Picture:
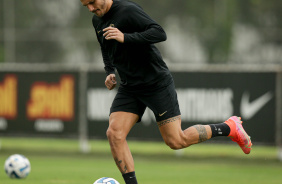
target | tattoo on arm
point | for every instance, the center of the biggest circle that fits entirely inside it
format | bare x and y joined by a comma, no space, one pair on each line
119,162
164,122
203,135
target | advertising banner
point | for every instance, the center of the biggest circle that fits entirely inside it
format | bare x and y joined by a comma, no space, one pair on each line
34,103
204,98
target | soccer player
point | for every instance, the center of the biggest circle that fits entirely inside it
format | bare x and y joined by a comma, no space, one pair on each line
127,36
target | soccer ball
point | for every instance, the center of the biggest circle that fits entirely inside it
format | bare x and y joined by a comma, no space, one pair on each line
17,166
106,180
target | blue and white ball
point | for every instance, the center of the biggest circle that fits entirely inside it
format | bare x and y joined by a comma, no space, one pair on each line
106,180
17,166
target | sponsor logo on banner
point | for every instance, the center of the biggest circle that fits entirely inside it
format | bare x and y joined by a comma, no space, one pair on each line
249,109
99,103
8,97
43,125
196,105
3,124
200,105
52,100
205,105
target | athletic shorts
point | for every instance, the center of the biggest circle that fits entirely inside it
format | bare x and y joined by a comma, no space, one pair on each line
162,101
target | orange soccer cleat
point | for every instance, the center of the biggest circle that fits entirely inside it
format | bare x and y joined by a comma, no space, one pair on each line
238,134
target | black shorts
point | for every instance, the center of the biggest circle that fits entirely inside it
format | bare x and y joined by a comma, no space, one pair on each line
162,101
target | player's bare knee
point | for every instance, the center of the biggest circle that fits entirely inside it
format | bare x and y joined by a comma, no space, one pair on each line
175,144
115,136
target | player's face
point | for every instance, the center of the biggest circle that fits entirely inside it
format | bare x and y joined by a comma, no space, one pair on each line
98,7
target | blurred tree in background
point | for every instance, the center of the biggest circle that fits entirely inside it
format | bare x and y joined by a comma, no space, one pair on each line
199,31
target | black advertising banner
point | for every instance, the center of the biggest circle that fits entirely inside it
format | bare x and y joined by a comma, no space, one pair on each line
204,98
38,103
214,97
99,100
46,103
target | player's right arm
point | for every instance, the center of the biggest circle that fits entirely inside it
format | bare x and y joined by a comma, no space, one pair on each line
110,81
109,67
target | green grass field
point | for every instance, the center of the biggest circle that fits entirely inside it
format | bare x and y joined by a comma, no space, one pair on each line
58,161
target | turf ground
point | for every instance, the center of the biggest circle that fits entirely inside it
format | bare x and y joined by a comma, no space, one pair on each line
58,161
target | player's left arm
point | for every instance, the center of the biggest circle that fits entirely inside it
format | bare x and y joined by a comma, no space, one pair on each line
146,30
112,33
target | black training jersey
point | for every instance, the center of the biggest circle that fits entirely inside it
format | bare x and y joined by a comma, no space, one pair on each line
137,60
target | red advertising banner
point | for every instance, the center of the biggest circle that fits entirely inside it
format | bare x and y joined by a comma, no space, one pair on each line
38,103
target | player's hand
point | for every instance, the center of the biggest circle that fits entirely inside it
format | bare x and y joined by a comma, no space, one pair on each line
111,81
112,33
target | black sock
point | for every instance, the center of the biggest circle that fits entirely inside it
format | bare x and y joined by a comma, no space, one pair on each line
221,129
130,178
